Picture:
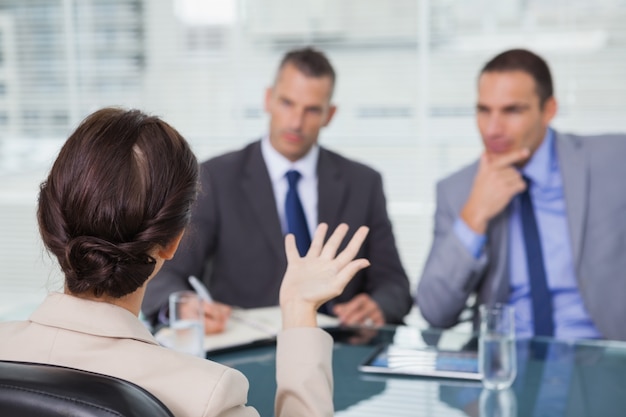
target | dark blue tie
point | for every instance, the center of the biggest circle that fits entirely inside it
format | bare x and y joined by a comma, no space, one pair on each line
296,220
542,299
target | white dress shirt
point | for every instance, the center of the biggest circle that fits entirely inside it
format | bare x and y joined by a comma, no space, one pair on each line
277,166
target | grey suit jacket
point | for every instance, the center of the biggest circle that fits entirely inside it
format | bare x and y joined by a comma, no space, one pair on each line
593,172
235,240
107,339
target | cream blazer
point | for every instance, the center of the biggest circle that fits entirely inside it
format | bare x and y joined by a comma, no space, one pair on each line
104,338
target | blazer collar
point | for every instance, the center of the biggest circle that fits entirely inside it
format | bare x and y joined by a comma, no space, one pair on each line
277,165
103,319
257,187
332,188
574,166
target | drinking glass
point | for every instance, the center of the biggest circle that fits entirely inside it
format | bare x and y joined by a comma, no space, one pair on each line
187,322
500,403
497,360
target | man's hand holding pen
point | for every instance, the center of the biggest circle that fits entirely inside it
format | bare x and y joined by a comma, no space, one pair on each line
216,314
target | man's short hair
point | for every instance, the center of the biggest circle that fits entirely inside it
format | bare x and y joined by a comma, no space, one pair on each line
310,62
528,62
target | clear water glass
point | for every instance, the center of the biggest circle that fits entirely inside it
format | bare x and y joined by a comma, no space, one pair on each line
497,361
498,403
187,323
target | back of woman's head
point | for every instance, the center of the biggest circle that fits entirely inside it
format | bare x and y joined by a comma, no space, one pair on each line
121,187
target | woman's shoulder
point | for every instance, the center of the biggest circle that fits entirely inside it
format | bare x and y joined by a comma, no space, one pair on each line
189,384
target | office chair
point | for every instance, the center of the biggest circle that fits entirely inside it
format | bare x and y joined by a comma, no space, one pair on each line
40,390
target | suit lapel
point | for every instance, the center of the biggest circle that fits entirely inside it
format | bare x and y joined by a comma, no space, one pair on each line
331,189
574,172
257,187
496,285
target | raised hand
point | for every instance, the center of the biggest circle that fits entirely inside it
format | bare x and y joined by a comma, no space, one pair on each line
319,276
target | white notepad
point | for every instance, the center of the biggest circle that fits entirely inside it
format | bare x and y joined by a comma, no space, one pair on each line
247,326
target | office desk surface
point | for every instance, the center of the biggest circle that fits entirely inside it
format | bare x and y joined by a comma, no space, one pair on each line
555,378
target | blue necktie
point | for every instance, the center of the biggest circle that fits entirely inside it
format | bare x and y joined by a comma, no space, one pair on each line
296,220
543,320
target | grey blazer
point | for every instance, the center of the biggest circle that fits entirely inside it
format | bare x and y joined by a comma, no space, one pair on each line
594,172
235,240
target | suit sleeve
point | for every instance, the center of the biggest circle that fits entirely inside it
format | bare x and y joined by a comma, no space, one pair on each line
196,248
386,280
451,273
304,373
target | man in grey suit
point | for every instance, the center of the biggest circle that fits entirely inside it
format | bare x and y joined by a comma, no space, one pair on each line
578,201
235,240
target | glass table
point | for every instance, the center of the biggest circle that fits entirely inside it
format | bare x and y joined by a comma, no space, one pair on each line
555,378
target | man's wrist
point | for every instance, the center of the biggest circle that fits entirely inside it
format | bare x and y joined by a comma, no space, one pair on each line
474,219
472,241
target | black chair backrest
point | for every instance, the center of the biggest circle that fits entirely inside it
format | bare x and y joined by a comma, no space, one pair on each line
32,389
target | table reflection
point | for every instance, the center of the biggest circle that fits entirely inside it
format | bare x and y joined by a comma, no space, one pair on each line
555,378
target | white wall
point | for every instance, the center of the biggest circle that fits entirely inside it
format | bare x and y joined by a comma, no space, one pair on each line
406,76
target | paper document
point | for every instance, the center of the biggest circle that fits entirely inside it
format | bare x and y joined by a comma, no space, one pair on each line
250,325
247,326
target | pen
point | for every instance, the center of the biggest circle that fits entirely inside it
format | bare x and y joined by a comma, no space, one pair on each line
200,289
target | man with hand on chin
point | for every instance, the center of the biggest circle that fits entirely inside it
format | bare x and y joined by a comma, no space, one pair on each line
537,222
285,182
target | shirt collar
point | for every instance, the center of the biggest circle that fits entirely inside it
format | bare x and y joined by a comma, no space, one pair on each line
543,162
91,317
278,165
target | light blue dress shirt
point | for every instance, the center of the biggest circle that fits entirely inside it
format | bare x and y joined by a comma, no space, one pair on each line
571,319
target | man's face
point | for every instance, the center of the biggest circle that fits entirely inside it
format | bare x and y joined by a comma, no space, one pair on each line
299,106
509,114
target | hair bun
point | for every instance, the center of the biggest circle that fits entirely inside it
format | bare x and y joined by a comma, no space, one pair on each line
99,266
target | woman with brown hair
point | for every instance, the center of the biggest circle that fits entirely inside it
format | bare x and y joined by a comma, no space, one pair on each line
112,210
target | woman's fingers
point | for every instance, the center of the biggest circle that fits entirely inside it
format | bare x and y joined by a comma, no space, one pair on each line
329,249
318,240
311,280
291,250
347,272
353,246
332,244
